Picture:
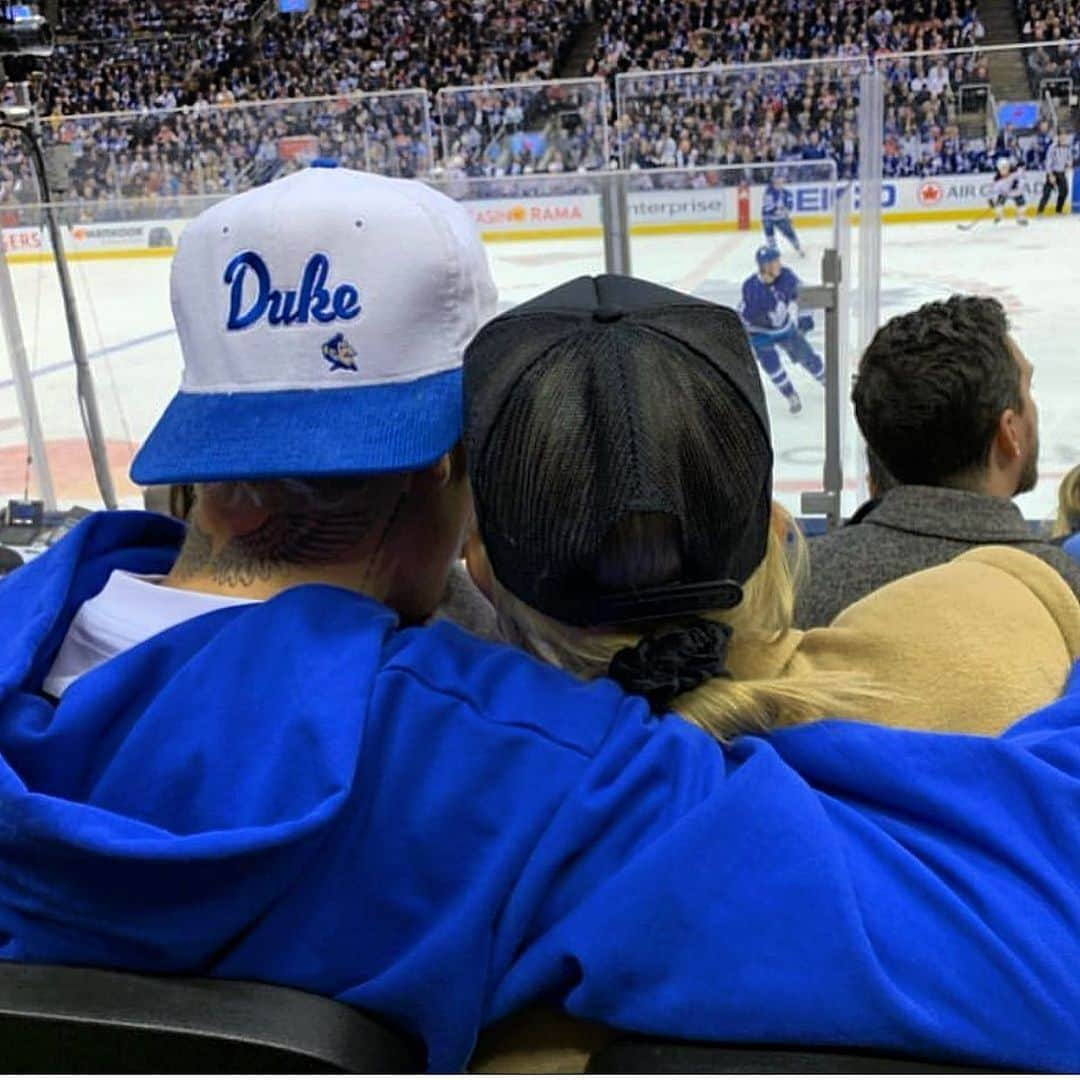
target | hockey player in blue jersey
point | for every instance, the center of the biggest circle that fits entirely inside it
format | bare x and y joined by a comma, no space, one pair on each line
777,202
770,310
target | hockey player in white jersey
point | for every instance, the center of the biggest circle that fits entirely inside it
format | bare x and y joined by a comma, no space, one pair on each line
1008,185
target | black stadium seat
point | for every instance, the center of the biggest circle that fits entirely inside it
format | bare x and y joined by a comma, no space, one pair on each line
80,1020
635,1055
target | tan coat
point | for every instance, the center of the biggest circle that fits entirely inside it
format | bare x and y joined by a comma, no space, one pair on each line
970,646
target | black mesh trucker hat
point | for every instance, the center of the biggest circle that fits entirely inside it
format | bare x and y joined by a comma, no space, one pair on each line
572,423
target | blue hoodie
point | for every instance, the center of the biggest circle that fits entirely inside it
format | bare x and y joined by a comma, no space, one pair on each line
441,830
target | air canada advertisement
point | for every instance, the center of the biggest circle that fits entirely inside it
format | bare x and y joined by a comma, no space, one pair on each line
966,191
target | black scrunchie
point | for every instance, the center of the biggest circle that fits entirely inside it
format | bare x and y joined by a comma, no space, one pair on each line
660,668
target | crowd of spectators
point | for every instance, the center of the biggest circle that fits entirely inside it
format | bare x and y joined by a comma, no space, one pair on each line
699,33
119,57
183,67
175,56
369,46
111,19
1052,66
522,130
804,113
209,151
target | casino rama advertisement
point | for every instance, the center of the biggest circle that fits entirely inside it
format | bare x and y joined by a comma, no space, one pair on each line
660,211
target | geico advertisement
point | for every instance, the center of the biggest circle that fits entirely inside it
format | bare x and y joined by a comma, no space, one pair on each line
710,204
822,198
910,193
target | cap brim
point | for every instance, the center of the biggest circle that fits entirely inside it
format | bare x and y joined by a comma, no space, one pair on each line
394,427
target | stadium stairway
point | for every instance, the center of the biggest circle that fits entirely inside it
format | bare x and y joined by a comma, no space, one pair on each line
260,19
572,66
1008,76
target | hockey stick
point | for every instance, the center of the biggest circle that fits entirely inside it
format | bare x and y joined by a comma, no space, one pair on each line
967,226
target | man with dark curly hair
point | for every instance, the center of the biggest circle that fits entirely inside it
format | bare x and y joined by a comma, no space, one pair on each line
943,399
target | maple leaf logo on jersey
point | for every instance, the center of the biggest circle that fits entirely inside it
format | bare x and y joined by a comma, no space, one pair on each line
930,194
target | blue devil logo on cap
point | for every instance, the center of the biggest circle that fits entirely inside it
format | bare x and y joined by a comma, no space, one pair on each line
311,300
339,354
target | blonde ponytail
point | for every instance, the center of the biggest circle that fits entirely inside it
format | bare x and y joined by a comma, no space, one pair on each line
1068,516
724,706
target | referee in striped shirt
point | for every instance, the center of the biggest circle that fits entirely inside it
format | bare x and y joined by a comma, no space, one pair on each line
1058,162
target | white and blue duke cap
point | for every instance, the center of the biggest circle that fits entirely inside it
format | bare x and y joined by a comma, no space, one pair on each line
322,320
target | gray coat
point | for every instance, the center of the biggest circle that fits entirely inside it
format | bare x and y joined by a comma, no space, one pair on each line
911,529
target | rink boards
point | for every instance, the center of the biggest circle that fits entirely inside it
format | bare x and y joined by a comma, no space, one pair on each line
673,210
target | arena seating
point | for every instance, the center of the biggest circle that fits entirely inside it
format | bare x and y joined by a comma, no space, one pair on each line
102,19
54,1017
407,45
517,131
206,151
686,34
176,53
1052,68
806,113
184,65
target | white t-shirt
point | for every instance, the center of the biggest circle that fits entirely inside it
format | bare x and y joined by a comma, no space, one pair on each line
131,609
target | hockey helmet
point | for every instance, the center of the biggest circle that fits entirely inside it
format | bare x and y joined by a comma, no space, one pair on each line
767,253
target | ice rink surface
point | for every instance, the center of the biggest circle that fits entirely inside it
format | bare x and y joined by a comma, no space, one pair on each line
124,305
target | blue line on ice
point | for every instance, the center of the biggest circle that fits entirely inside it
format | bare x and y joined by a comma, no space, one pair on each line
97,354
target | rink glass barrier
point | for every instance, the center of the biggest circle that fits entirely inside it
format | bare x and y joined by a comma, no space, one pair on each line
530,158
940,115
928,234
698,230
688,229
939,235
523,128
120,257
214,150
741,113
